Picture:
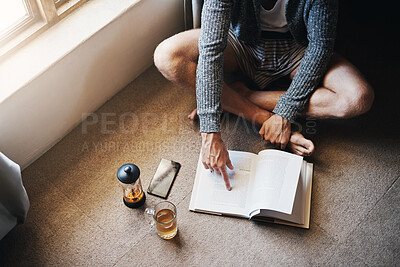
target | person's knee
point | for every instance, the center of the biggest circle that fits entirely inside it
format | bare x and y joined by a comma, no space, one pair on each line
367,98
173,56
358,100
166,59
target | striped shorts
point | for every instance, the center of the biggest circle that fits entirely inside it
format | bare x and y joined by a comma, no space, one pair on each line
275,55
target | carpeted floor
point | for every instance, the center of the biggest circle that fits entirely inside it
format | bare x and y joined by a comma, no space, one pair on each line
77,216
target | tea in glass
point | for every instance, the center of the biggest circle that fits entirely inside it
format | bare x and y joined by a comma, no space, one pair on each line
166,223
164,217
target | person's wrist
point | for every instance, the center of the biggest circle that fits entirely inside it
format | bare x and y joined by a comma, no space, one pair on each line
283,119
210,136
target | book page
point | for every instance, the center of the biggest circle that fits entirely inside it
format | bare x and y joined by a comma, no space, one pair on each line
276,178
307,188
298,212
210,194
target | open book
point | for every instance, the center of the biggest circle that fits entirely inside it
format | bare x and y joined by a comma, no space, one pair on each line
272,186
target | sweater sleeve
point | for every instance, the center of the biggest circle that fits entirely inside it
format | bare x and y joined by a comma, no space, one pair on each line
321,32
209,76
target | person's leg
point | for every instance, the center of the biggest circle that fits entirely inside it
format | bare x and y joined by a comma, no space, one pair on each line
176,58
264,99
298,144
344,93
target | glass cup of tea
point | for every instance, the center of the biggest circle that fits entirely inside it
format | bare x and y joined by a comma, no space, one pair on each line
163,216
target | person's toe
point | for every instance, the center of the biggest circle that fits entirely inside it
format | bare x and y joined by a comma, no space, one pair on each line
301,151
310,148
300,145
193,114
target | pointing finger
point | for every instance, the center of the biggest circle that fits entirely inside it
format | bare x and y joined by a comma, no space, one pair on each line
226,178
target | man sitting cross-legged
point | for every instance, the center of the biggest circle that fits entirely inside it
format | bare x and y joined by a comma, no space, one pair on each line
265,40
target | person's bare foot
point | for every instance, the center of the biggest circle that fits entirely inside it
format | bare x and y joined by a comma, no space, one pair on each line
193,115
299,145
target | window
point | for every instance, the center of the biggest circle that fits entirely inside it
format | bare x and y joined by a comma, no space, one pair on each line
18,12
14,15
21,20
59,3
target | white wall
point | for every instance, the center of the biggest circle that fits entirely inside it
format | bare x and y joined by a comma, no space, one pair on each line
38,115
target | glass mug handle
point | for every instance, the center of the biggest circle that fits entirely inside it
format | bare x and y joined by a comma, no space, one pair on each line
149,214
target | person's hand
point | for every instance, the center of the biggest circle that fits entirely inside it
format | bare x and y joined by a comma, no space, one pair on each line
215,156
276,130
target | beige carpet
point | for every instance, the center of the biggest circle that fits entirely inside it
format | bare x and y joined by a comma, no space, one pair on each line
77,216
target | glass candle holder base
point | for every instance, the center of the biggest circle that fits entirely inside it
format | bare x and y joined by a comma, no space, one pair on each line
134,205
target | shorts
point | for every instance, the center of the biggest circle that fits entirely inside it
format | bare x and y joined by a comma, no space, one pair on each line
274,56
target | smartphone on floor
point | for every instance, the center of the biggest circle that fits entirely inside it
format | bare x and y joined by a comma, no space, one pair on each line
162,181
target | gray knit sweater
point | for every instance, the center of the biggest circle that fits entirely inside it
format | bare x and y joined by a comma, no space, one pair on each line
311,22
